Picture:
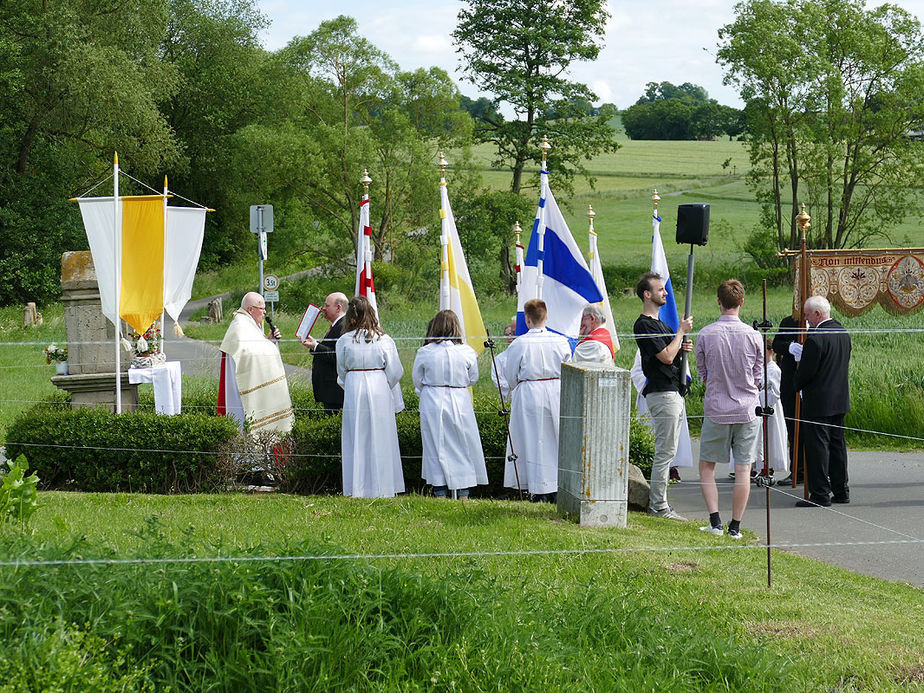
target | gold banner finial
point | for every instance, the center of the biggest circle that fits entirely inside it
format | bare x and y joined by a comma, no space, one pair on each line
442,164
803,220
365,180
655,198
591,213
115,159
517,230
545,147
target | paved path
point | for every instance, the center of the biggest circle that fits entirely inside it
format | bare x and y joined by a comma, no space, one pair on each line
200,358
886,505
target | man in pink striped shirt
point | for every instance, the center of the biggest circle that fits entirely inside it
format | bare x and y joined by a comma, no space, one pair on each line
729,357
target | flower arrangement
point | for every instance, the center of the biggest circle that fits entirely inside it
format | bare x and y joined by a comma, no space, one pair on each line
54,353
146,344
146,347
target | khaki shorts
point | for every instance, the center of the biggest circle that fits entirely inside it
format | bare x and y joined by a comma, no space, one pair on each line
718,440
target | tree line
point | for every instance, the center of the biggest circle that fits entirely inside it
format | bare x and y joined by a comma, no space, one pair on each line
832,90
184,87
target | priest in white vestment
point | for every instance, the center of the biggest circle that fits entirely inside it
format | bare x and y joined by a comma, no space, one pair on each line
596,344
533,370
444,369
368,368
252,386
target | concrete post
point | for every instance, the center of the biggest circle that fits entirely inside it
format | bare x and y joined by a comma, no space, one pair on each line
593,449
91,364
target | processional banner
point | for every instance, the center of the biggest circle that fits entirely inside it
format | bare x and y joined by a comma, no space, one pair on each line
855,281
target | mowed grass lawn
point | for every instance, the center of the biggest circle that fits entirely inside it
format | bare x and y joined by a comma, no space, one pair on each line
657,606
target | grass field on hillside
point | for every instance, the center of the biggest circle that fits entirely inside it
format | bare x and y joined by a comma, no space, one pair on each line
657,606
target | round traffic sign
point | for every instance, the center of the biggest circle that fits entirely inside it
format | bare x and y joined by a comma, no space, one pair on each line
270,282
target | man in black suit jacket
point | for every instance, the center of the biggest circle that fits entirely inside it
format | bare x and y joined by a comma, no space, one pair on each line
822,377
324,371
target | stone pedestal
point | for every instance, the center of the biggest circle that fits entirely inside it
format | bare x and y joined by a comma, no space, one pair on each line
90,340
593,449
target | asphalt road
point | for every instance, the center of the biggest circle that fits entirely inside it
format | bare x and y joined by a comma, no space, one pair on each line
880,533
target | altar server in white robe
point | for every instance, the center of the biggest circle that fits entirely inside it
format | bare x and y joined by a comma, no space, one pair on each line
367,368
534,372
444,369
252,385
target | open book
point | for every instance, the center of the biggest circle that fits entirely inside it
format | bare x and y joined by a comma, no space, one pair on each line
308,320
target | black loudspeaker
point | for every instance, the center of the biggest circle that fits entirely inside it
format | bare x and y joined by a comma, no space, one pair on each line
693,223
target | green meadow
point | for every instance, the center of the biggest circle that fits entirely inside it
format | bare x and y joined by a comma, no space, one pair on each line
294,593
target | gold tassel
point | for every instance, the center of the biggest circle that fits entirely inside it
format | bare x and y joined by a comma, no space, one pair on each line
126,345
177,330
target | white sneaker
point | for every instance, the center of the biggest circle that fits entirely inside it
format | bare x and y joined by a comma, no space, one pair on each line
718,531
733,534
668,514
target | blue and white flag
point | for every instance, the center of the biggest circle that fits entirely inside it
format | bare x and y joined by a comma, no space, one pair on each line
555,271
668,315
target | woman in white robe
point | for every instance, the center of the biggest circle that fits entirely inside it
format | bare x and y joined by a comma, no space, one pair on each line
368,368
533,370
444,369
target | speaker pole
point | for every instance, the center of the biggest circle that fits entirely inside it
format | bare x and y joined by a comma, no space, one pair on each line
687,310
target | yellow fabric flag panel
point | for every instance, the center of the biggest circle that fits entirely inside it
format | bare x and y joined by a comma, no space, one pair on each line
142,288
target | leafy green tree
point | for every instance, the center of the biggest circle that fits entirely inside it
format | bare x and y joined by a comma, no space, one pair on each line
663,119
223,76
832,91
80,80
349,109
690,94
519,51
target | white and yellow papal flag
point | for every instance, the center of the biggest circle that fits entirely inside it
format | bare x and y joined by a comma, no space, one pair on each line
596,270
456,290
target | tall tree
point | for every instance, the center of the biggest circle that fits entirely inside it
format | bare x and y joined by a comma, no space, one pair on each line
81,78
520,51
832,91
223,78
351,108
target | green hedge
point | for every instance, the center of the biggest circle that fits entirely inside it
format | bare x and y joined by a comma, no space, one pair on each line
94,450
315,466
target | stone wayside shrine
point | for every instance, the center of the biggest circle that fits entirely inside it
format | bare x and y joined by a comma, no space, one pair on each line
90,340
593,449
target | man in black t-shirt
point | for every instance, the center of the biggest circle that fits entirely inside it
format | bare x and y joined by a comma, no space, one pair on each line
660,351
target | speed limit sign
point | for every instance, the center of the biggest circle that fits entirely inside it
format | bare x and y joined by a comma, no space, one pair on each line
270,282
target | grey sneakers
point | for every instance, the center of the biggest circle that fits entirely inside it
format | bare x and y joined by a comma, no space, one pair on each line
709,529
668,514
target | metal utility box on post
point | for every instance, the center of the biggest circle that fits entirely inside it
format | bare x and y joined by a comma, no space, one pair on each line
593,446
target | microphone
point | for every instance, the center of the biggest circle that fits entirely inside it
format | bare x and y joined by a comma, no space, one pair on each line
269,321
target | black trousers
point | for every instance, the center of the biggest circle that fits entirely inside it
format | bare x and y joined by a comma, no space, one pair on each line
826,457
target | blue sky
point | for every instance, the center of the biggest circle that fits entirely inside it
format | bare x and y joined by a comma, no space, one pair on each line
667,40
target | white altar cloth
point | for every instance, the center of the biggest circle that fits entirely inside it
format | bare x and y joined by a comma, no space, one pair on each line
168,385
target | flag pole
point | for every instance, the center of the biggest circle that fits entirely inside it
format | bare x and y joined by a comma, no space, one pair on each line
164,310
804,222
444,242
544,175
117,261
518,253
591,236
367,245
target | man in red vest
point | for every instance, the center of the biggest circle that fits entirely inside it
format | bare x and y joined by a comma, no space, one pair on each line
596,344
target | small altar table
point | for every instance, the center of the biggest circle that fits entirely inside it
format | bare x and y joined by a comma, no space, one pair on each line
168,385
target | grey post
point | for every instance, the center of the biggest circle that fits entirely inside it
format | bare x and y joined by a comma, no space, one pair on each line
593,447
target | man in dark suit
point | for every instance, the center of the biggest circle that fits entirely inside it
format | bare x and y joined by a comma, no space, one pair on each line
324,371
822,377
787,334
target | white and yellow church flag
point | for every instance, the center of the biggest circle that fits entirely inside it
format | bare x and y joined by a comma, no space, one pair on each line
596,270
183,244
141,299
456,290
